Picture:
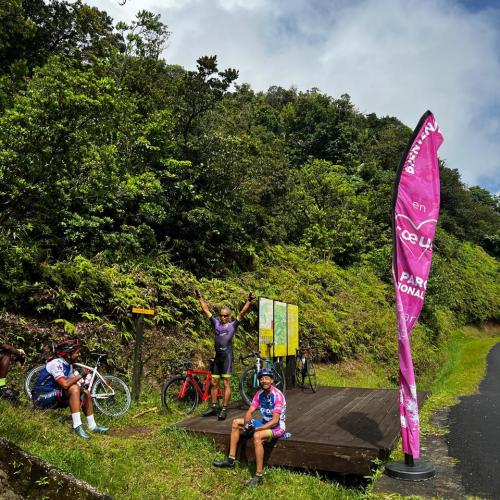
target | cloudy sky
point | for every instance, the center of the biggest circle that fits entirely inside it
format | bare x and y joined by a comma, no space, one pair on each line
393,57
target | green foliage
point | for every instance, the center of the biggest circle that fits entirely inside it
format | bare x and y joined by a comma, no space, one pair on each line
127,181
464,280
472,214
334,217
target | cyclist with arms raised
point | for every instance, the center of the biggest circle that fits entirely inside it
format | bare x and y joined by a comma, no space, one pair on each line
272,405
59,386
224,328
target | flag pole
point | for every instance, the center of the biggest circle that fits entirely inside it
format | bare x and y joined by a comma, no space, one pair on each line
415,207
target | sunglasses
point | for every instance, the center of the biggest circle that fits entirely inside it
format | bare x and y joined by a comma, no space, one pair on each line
225,315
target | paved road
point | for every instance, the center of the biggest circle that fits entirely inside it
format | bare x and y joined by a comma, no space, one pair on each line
474,437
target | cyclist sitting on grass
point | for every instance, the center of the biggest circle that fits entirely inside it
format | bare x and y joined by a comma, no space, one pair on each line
223,364
59,386
7,354
272,405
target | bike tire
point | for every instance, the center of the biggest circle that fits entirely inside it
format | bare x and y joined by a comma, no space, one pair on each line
115,405
171,400
279,377
30,380
299,372
311,375
248,385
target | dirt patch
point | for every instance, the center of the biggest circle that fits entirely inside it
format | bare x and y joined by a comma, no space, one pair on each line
132,431
490,327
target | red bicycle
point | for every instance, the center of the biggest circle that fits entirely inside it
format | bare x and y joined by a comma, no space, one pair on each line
183,392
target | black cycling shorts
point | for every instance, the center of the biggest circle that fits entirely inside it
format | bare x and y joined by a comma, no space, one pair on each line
223,364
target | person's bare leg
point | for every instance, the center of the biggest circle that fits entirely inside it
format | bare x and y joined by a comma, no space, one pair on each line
214,390
4,365
75,405
259,438
227,391
88,405
229,462
236,427
73,394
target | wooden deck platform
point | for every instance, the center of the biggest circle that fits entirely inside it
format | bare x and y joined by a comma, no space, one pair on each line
339,429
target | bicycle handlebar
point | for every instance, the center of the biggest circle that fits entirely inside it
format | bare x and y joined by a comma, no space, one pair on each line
254,354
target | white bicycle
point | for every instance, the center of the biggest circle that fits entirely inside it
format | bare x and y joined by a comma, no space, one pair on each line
110,394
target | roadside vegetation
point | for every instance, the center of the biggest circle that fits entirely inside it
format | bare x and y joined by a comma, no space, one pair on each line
462,371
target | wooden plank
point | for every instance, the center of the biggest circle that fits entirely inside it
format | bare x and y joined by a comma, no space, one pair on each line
328,420
360,427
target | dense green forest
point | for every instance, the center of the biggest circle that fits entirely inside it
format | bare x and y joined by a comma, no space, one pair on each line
125,180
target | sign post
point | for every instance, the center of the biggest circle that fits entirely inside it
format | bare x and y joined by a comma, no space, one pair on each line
292,344
139,334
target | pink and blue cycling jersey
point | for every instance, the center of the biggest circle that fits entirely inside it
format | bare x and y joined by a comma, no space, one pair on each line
272,402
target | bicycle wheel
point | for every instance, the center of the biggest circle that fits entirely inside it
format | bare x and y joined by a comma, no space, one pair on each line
111,397
279,377
30,380
311,375
299,372
179,405
248,385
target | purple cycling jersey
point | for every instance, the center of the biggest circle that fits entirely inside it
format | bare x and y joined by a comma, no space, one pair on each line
224,333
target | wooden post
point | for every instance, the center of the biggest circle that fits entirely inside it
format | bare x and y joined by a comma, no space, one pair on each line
290,372
139,334
136,378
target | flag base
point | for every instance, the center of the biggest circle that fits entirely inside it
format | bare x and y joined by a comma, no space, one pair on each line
410,470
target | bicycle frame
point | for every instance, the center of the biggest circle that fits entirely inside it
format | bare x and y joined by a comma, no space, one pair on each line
190,376
259,364
95,374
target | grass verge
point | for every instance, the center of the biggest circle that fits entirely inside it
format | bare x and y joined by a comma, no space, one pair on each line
353,373
148,458
462,371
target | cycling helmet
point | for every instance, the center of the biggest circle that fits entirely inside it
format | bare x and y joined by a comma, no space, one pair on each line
67,347
265,372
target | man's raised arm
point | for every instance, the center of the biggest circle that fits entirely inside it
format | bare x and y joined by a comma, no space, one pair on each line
246,306
203,304
18,353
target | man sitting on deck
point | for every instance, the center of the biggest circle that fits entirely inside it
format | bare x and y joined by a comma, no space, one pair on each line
272,405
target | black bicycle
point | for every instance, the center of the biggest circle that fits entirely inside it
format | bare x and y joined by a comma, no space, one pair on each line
305,372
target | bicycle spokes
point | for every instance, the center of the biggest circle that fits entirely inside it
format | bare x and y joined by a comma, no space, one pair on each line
179,396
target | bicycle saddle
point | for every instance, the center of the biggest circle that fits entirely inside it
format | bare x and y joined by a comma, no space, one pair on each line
98,355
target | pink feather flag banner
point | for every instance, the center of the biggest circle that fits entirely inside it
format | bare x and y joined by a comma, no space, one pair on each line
415,215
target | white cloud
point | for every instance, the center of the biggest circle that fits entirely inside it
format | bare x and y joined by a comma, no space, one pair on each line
394,57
